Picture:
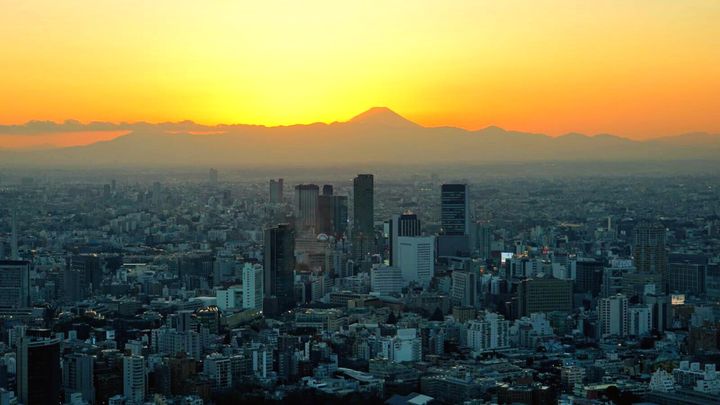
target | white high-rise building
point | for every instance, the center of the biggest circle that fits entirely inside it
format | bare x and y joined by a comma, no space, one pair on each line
229,299
134,379
386,280
613,316
406,345
252,286
416,258
488,333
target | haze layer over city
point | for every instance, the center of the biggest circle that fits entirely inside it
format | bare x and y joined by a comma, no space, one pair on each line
379,202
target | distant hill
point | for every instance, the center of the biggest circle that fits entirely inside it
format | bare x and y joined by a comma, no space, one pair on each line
378,135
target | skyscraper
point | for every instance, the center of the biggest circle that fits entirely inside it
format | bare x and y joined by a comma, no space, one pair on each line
455,212
649,252
78,374
38,370
306,205
406,224
252,286
464,288
82,276
279,269
276,191
613,316
416,258
134,379
363,216
340,215
213,176
483,239
14,284
325,214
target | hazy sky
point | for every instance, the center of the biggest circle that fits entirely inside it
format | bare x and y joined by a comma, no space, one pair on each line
633,68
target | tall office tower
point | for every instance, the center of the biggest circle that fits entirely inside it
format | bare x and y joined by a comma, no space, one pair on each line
483,239
545,294
660,310
327,189
589,276
306,205
213,176
363,217
406,224
613,316
82,276
340,215
454,210
325,214
416,258
464,288
14,239
14,284
39,376
134,380
252,286
649,252
279,269
78,375
276,191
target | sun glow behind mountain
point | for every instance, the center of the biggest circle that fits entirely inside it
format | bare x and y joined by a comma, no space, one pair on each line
642,69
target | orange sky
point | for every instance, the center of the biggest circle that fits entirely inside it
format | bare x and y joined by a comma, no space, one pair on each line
638,69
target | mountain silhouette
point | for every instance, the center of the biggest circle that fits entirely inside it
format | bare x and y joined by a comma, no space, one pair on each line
378,135
382,116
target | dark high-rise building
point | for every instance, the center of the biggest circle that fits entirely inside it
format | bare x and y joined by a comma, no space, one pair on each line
306,205
325,214
483,239
406,224
546,294
363,216
589,276
38,371
213,176
14,284
279,269
454,210
687,274
276,191
340,215
82,276
649,252
331,213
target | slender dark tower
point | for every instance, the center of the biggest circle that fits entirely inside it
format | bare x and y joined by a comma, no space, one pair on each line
276,191
649,252
306,205
279,269
454,215
363,216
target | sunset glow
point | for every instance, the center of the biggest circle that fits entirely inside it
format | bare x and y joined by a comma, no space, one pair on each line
638,69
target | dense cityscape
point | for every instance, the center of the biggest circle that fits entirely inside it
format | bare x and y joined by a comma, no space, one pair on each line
404,289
